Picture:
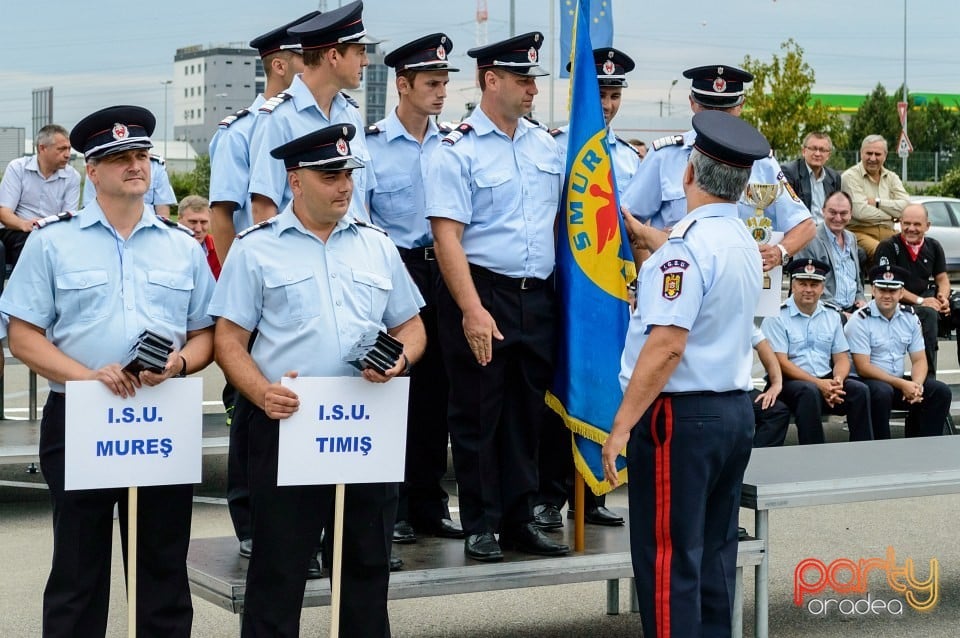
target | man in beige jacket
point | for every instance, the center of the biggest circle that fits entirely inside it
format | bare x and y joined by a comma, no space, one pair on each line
878,195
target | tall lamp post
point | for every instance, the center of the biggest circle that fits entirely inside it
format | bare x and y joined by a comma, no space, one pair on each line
669,103
166,84
904,158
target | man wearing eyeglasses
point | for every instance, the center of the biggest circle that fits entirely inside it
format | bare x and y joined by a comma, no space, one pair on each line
810,177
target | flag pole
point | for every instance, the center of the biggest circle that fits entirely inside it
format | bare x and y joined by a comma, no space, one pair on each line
337,560
132,562
579,540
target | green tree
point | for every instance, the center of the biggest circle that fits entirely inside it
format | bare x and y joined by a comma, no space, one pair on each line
196,182
876,116
933,127
778,101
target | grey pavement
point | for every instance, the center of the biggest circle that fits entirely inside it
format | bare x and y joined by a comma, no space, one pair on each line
920,529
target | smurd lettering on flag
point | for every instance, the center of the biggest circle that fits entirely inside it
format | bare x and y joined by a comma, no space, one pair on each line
594,266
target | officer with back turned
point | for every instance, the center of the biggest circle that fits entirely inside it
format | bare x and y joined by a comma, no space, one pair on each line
686,419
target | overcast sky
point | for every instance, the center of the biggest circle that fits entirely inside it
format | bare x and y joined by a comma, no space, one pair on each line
104,52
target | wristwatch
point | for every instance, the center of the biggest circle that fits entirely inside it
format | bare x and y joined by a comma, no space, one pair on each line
785,257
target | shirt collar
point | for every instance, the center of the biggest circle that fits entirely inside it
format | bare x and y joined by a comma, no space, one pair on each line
303,98
484,125
394,128
92,214
875,312
287,220
794,310
722,209
823,173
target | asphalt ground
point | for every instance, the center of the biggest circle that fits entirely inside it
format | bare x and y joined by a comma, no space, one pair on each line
919,529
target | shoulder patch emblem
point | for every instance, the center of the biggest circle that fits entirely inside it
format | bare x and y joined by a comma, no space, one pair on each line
672,285
554,132
457,134
246,231
274,102
669,140
53,219
373,129
363,224
352,102
682,227
233,117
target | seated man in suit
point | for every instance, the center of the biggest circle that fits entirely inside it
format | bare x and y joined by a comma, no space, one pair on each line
813,354
835,245
880,334
810,176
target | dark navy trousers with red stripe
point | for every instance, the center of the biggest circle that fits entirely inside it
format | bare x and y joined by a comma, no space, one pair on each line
686,459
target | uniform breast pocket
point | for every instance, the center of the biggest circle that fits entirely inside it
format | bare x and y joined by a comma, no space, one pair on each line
84,294
394,196
548,182
168,295
497,191
294,293
370,294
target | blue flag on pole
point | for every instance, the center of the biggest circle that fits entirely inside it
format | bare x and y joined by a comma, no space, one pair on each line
601,27
594,266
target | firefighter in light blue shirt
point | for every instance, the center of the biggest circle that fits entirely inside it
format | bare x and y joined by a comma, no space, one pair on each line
881,334
686,418
311,281
612,68
85,288
807,337
404,143
493,190
314,100
655,194
230,147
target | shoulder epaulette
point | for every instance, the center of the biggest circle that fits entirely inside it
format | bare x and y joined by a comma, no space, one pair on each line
535,122
444,128
363,224
53,219
680,228
831,306
628,145
783,305
373,129
457,134
352,102
864,311
158,159
233,117
274,102
172,224
246,231
669,140
555,132
908,308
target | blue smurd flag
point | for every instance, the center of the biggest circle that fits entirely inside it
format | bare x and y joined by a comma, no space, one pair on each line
594,266
600,21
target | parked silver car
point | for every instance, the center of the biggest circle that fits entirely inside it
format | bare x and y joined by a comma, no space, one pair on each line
944,213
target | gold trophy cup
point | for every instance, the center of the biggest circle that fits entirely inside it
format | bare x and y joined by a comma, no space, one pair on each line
760,196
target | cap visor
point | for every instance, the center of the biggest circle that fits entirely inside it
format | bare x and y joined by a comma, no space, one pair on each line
119,147
530,71
347,164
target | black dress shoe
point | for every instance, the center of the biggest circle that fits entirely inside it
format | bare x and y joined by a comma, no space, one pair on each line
403,533
531,540
314,570
483,547
547,516
599,516
443,528
246,547
395,564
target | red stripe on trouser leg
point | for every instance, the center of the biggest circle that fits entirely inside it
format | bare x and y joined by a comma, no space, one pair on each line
662,517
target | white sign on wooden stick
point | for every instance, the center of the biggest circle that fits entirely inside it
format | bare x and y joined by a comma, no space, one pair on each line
347,430
152,438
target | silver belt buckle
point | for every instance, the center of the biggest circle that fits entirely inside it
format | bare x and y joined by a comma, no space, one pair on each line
525,283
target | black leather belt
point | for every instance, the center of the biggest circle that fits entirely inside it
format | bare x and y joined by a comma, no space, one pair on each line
423,253
515,283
